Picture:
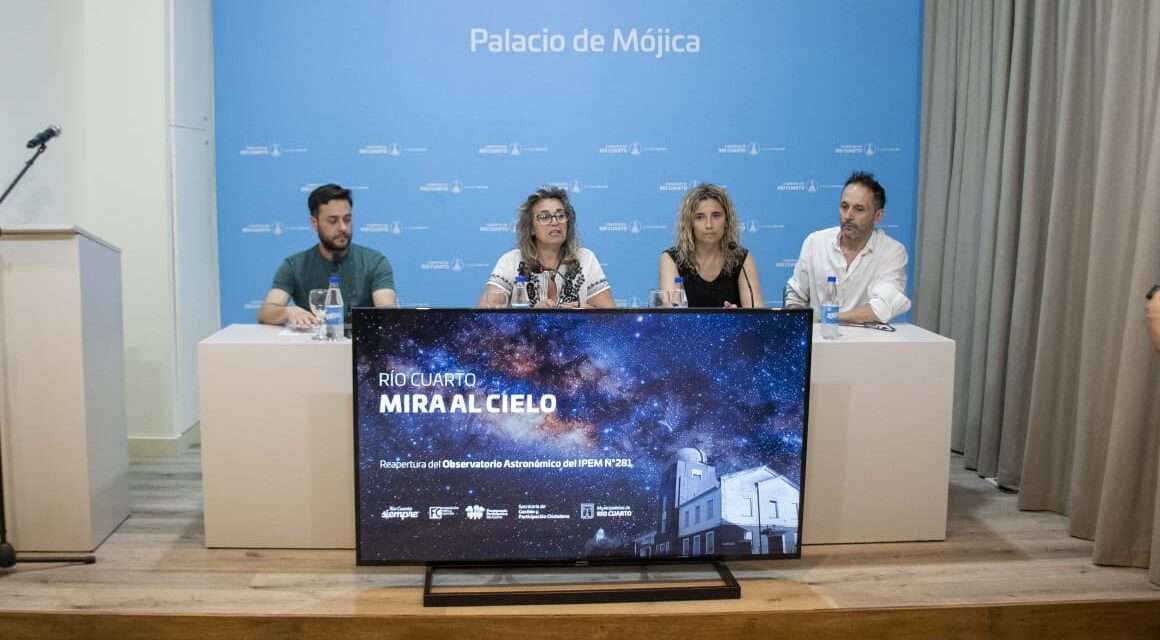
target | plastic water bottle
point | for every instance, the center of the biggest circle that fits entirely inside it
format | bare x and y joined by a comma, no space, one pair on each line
830,305
334,310
520,294
678,297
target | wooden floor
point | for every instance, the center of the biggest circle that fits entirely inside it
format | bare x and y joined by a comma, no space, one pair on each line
1001,573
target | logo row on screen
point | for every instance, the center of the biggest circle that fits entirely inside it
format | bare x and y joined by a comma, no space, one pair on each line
586,511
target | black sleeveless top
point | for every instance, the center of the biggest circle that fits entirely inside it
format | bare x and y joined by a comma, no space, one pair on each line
710,294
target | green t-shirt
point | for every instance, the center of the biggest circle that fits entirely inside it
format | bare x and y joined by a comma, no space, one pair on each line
362,272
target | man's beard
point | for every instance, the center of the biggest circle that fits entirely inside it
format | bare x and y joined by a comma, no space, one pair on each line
331,247
852,231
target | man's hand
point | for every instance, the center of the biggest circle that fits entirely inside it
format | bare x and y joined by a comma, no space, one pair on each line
299,318
1152,311
858,315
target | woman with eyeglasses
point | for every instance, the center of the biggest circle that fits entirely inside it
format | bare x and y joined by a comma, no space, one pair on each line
715,269
547,244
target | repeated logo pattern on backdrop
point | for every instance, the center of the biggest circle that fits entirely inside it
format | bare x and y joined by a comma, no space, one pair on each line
442,116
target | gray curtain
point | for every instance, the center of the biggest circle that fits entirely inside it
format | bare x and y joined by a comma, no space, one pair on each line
1038,234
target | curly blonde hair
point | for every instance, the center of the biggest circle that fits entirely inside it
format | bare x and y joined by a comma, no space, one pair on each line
686,246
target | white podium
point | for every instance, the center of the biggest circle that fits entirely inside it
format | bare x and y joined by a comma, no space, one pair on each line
278,441
62,388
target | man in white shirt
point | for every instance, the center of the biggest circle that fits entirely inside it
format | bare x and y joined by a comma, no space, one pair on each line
870,266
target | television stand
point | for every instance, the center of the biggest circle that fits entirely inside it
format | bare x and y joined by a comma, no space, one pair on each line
461,585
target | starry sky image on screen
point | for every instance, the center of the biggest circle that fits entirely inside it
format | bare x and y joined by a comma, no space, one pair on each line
642,387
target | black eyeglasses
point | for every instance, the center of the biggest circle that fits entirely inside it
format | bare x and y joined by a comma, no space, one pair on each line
544,217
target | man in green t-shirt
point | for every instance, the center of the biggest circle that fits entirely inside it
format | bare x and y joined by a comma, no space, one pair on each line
365,275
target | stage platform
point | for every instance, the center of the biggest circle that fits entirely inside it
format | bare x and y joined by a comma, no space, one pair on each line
1001,573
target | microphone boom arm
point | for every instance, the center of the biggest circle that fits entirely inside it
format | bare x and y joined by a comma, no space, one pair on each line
27,166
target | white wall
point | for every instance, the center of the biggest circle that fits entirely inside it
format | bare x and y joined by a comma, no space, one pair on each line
41,85
130,82
194,193
127,190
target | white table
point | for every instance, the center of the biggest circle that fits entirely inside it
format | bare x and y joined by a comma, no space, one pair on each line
278,459
879,436
277,440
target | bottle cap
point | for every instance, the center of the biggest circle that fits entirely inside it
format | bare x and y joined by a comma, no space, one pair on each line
333,279
831,278
679,280
521,279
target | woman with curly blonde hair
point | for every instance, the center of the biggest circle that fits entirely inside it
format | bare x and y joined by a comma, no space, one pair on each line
716,270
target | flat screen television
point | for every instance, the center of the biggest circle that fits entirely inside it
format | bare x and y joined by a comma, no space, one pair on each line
516,436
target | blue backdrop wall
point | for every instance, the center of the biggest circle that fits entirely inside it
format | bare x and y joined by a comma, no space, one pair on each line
442,116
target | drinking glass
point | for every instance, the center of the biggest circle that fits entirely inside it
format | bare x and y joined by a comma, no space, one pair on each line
658,298
541,280
496,298
318,308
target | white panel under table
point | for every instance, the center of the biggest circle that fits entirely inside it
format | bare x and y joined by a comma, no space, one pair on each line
878,439
277,439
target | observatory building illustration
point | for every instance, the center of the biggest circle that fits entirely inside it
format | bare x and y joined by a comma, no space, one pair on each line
754,511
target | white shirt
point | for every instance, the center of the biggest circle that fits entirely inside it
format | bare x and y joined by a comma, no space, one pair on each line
572,287
876,276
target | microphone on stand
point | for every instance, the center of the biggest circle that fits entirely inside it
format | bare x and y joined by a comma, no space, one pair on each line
752,303
40,139
8,557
